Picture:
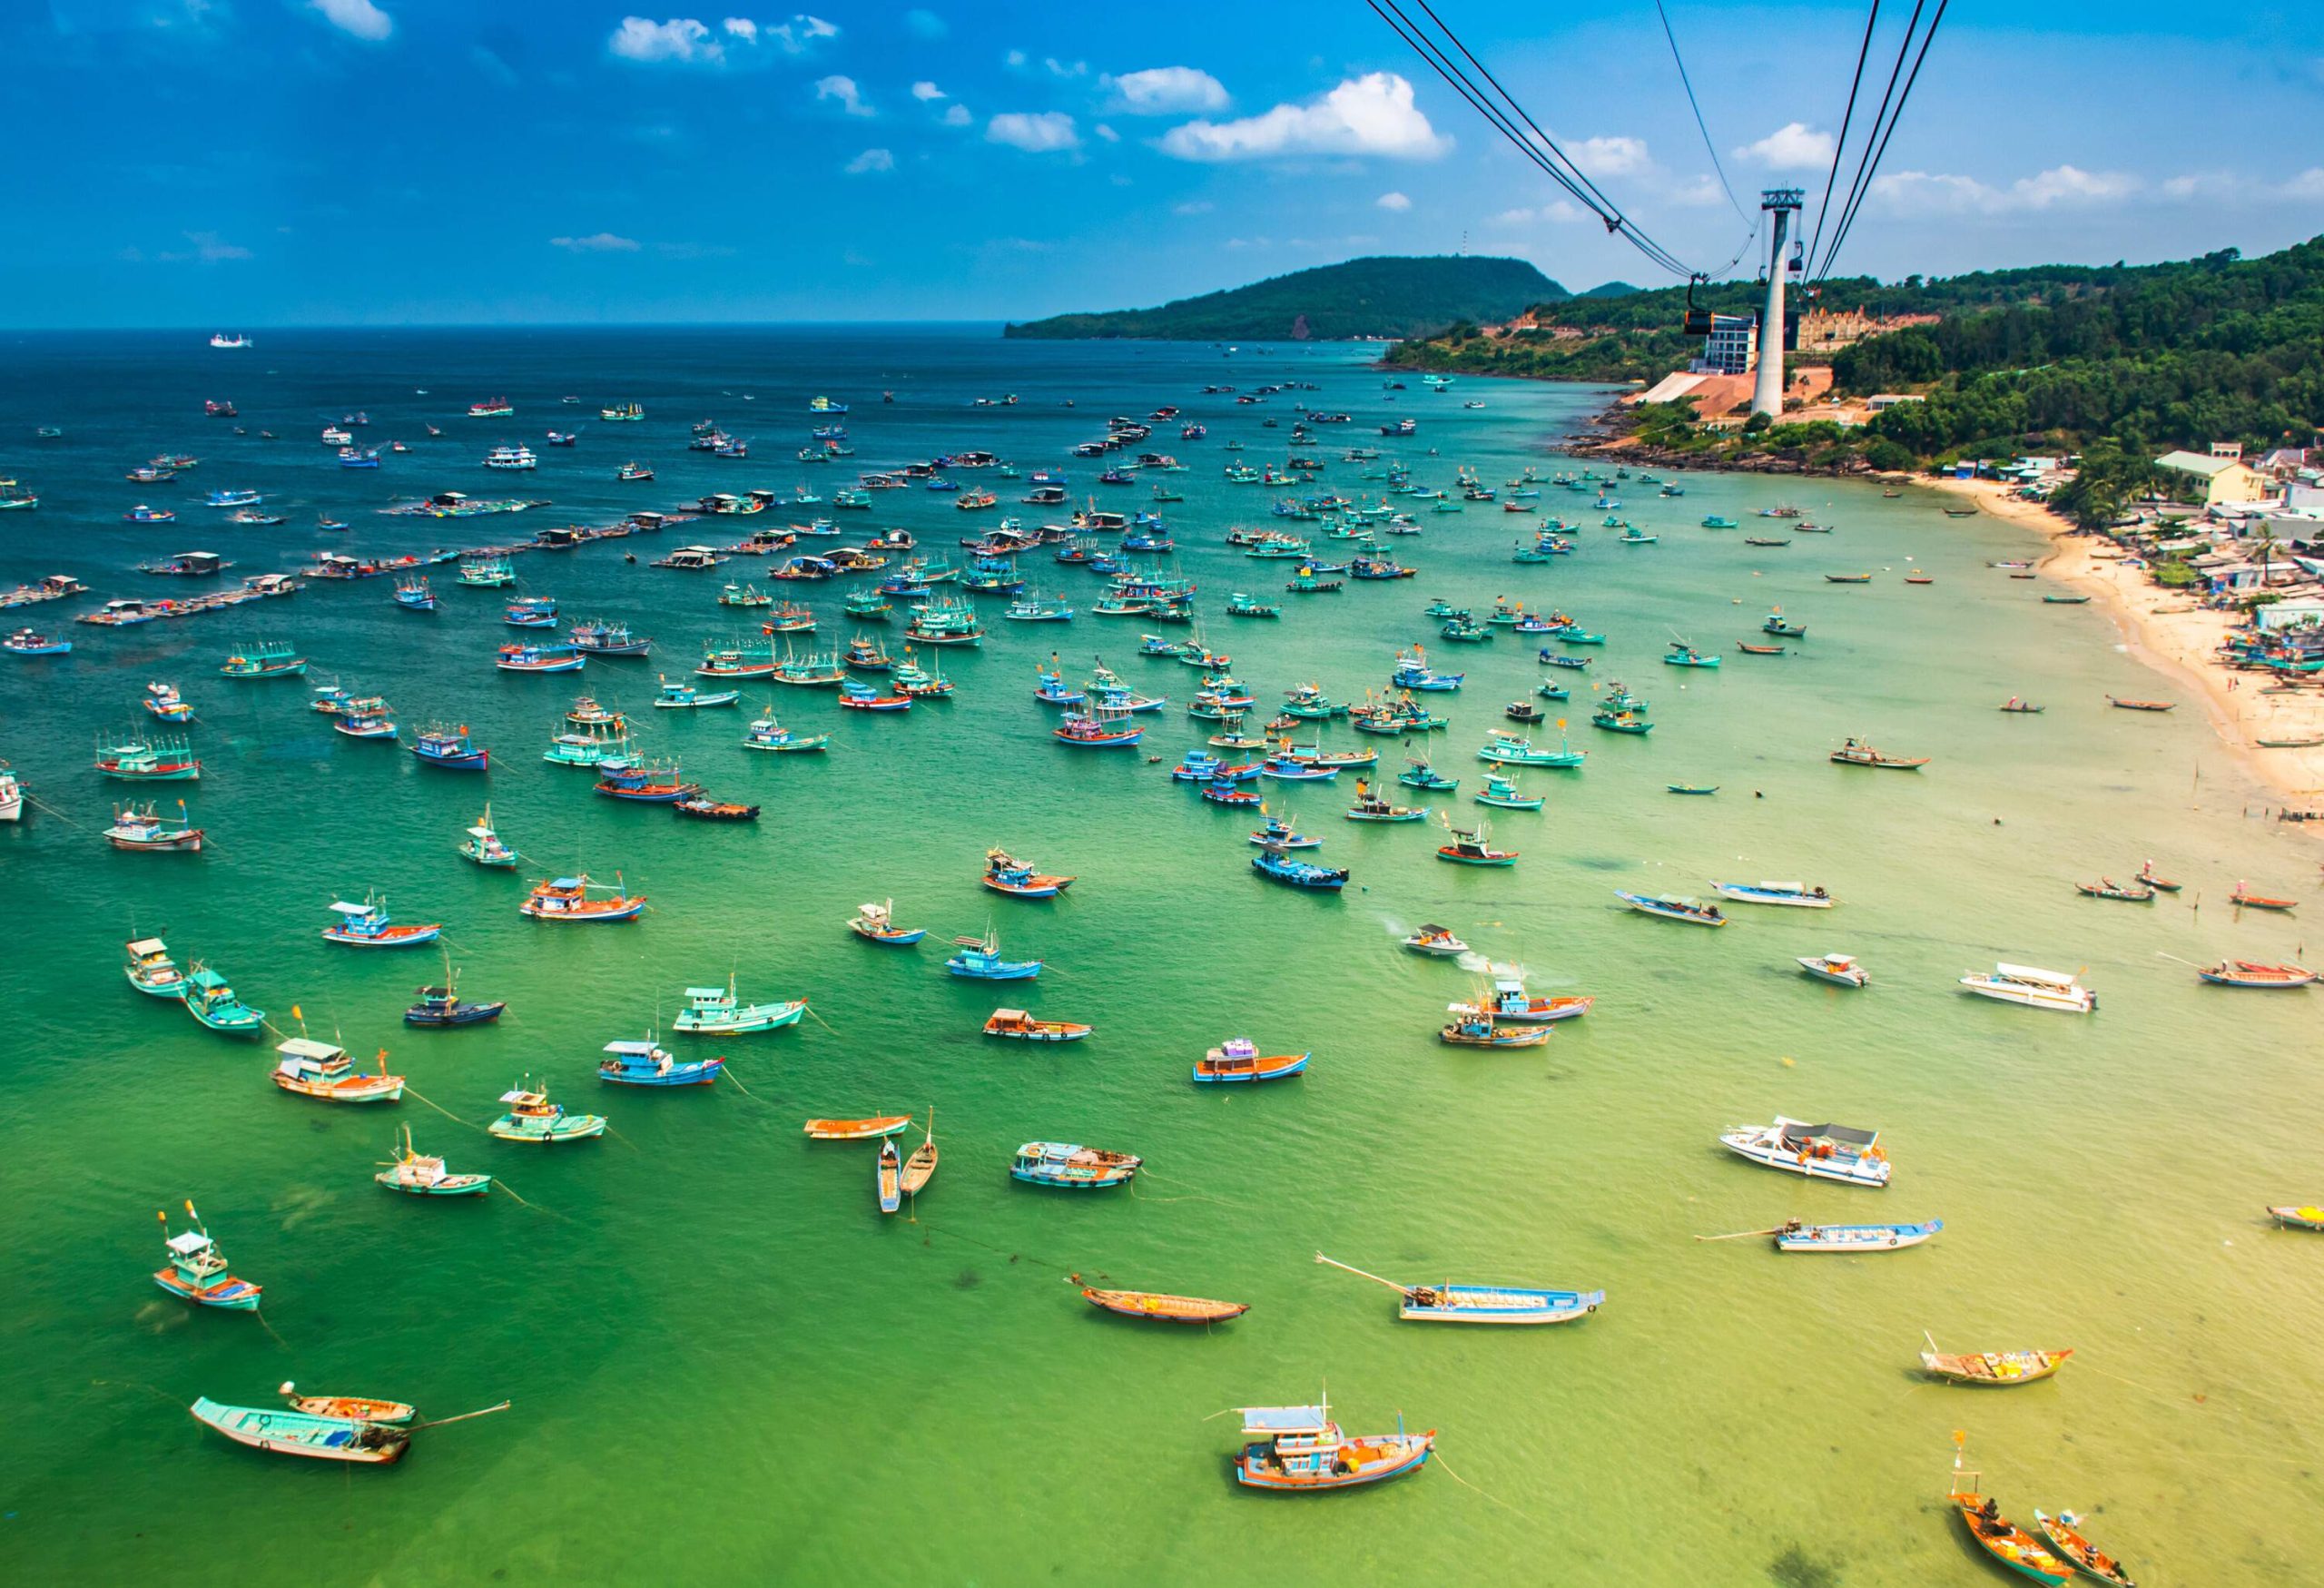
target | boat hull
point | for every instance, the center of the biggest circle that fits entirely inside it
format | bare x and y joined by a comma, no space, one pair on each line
1254,1471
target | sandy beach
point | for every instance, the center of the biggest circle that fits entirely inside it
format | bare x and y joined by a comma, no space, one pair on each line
2165,629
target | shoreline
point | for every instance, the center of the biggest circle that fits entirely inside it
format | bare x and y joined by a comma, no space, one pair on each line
2160,629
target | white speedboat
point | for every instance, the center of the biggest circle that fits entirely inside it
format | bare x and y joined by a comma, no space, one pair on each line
1796,894
1839,969
1820,1152
2036,989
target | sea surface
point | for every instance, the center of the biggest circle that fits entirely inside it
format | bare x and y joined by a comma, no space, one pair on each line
727,1366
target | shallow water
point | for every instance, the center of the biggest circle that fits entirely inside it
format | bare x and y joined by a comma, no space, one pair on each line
726,1365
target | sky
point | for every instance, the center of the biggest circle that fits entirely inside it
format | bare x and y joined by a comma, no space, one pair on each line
246,163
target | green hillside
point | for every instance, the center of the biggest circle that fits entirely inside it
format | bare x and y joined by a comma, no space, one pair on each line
1381,297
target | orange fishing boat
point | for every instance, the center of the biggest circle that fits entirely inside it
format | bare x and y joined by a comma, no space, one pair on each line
1016,1022
1992,1367
2122,705
567,899
2064,1533
1160,1309
1997,1535
857,1129
354,1408
2250,901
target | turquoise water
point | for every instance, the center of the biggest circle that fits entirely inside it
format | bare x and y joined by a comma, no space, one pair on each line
726,1365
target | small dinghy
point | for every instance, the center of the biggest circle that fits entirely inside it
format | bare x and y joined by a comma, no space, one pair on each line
2064,1533
1156,1306
1992,1368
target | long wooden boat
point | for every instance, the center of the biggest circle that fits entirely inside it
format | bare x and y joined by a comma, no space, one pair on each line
350,1409
857,1129
1796,1236
2247,900
2108,888
2122,705
1999,1537
2251,974
1159,1308
1999,1369
888,1176
1238,1059
1694,912
1857,754
289,1433
1018,1023
921,1166
2289,1218
1480,1303
2064,1533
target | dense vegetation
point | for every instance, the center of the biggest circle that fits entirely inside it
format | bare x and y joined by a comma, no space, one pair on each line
1380,297
2120,361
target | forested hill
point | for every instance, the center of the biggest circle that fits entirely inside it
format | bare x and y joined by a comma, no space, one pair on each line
1379,297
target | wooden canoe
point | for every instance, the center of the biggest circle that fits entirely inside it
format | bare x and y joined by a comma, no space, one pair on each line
353,1408
2010,1545
2251,974
920,1168
2297,1217
1158,1307
2122,705
857,1129
2064,1534
2260,901
890,1177
1996,1368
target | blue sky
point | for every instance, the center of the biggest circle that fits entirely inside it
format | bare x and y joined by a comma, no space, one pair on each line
254,163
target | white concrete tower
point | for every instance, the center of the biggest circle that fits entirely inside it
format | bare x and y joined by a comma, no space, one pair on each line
1767,392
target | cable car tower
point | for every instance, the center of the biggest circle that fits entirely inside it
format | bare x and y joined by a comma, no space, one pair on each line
1767,392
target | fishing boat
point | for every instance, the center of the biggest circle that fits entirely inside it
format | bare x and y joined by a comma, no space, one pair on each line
367,717
168,758
289,1433
1437,941
921,1166
2159,884
197,1269
1072,1167
349,1409
1280,832
1238,1059
2288,1217
1371,807
1855,753
1480,1303
484,846
1274,864
164,701
212,1002
1670,907
31,642
1507,1000
1300,1450
531,1117
1993,1370
646,1064
443,1006
2004,1539
767,733
539,658
876,924
151,970
1849,1239
1683,656
413,594
609,639
2108,888
448,747
1777,624
2245,898
979,959
1797,895
1502,748
567,899
854,695
1242,604
146,831
684,697
1100,727
716,1011
1004,873
2034,987
1156,1306
1473,847
324,1071
865,1129
1502,793
1018,1024
1840,970
2018,707
1479,1028
366,925
2064,1532
2122,705
1820,1152
416,1174
2251,974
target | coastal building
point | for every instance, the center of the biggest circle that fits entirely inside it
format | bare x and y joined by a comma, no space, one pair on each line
1827,331
1879,400
2225,477
1732,348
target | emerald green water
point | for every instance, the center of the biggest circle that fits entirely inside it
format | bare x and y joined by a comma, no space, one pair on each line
727,1366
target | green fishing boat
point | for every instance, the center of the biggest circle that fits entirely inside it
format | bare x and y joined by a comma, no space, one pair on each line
210,1000
1687,657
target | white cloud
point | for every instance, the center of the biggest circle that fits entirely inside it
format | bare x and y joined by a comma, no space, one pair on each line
1013,58
743,28
2308,184
2062,186
871,160
1612,156
1697,193
1166,91
1044,133
211,248
957,115
1371,114
801,31
680,38
1393,201
359,17
595,243
925,25
1058,68
924,92
1193,207
842,89
1556,210
1794,146
1107,133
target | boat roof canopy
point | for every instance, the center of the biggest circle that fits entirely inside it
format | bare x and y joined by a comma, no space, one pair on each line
568,882
347,907
148,945
1792,1130
1285,1419
2029,973
717,992
188,1242
1013,1016
308,1048
629,1049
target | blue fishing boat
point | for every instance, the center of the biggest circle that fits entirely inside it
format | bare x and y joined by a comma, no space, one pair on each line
1693,912
31,642
484,846
1796,1236
876,923
197,1269
1280,833
643,1064
1274,864
213,1002
414,595
1300,1450
366,926
1072,1166
443,1006
1504,794
1506,749
1556,659
150,969
531,612
1480,1303
684,696
1419,773
449,748
1685,656
979,959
